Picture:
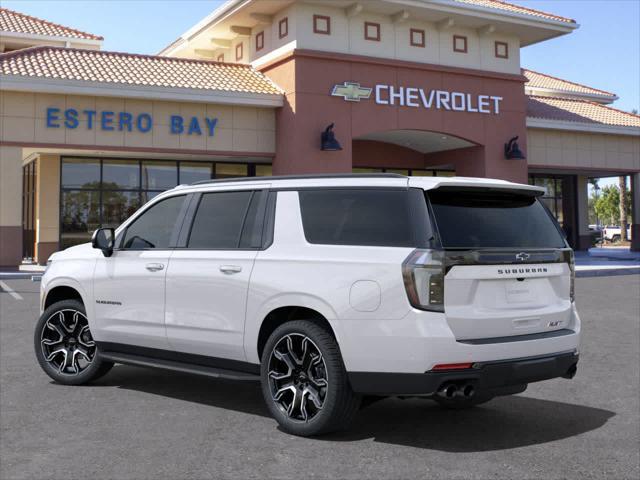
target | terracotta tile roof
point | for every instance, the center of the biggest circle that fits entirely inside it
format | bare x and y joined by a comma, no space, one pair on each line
541,80
135,70
581,111
511,8
16,22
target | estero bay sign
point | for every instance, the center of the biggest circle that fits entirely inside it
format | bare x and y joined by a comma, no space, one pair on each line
418,97
107,120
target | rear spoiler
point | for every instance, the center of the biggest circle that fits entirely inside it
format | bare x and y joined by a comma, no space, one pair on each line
487,185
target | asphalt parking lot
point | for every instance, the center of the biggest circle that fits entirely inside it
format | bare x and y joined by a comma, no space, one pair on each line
151,424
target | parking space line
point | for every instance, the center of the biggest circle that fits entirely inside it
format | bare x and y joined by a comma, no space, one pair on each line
10,291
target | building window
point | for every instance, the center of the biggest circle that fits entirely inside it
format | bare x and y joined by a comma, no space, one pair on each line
283,27
239,51
259,41
221,57
372,31
552,197
322,24
502,50
105,192
460,44
416,37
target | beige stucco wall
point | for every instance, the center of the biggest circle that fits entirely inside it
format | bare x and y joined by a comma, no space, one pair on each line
10,186
48,201
239,129
347,36
558,148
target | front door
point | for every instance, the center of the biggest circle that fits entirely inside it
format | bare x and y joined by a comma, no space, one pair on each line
208,279
129,286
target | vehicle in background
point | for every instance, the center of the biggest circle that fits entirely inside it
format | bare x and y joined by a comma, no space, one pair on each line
612,233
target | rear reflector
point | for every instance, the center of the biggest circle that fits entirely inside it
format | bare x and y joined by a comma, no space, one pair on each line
452,366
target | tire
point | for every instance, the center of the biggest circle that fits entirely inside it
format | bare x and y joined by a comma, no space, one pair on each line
615,238
63,331
458,403
304,381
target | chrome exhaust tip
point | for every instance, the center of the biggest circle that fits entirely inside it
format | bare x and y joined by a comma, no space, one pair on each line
448,391
468,391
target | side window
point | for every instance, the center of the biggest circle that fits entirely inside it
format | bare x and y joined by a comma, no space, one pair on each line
228,220
154,228
374,217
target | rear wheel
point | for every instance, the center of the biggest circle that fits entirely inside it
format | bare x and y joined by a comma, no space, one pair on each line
304,381
64,346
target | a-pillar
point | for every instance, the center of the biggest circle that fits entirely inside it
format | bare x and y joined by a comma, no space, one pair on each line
635,211
582,202
10,206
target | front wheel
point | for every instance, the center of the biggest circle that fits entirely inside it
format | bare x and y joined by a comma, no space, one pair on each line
64,346
304,381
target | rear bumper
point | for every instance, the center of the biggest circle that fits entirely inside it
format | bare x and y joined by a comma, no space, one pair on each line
497,377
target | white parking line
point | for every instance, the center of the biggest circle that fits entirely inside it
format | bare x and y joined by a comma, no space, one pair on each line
10,291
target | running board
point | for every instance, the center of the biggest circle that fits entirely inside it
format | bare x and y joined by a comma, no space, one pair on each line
142,361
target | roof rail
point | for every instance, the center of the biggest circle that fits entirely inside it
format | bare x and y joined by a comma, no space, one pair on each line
301,177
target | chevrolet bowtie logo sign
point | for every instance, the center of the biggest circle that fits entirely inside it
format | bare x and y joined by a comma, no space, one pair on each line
351,91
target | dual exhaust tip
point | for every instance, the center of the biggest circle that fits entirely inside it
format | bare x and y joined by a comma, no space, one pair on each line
451,390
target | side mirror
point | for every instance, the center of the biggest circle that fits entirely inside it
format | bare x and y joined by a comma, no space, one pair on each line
103,238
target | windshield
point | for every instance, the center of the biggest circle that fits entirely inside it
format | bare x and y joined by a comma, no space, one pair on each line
490,219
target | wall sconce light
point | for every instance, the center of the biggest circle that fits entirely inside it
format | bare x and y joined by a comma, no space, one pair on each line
328,142
512,150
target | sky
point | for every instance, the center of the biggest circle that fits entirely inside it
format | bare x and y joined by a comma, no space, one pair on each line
603,53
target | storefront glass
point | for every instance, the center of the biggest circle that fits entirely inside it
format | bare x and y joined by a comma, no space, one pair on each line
552,198
105,192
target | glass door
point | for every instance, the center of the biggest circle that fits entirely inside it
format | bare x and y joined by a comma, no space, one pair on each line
29,212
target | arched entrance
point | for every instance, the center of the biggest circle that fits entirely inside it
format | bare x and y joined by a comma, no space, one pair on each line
416,150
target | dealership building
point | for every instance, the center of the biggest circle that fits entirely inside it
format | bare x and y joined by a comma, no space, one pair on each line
418,87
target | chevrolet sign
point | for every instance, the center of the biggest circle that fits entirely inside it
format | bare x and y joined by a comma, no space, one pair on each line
416,97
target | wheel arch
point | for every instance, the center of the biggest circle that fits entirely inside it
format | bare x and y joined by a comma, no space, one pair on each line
63,291
284,314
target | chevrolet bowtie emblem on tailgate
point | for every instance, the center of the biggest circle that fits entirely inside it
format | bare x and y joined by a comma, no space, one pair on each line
522,256
351,91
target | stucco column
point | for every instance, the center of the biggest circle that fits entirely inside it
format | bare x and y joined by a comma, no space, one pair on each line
582,204
47,207
635,212
10,206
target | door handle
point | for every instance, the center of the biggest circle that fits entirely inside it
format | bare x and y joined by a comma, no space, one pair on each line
154,267
230,269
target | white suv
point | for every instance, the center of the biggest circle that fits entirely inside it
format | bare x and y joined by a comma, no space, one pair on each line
327,289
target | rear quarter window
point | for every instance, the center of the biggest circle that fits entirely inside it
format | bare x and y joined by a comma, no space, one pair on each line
366,217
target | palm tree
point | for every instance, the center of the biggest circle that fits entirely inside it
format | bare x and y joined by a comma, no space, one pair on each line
623,208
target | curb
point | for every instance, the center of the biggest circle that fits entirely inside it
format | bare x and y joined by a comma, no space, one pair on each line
614,272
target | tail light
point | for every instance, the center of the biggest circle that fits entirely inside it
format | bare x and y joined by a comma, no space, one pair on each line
570,258
423,273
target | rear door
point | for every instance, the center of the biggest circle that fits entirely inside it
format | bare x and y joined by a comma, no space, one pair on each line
508,269
208,277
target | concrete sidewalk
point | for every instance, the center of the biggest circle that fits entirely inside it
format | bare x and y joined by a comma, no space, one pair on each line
594,262
607,261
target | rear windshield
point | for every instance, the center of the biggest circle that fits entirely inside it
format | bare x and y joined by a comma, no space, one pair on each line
468,219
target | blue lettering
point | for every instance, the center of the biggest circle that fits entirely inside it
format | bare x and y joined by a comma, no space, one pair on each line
211,125
124,120
107,121
177,126
52,116
71,118
194,126
90,116
144,122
